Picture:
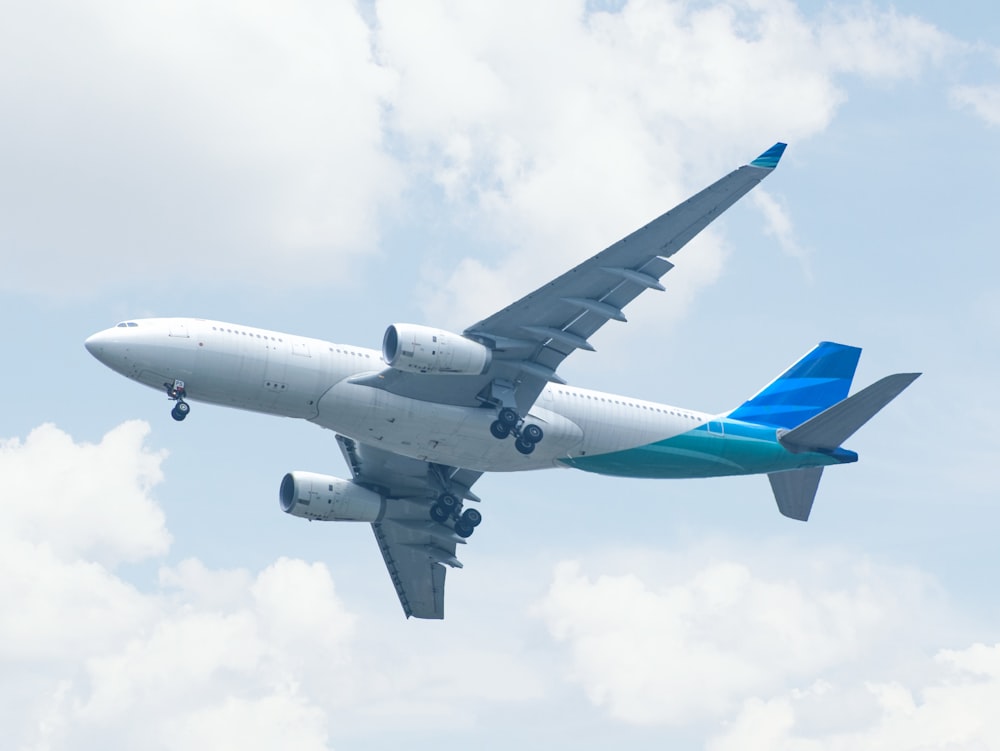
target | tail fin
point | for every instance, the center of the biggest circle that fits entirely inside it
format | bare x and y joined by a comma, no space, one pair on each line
817,381
830,428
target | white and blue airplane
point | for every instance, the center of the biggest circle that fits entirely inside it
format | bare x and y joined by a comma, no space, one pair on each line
420,421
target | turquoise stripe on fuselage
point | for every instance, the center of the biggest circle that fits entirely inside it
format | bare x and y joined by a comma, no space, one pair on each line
721,447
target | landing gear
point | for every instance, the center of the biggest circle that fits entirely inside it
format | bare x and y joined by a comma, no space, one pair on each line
508,422
177,392
449,508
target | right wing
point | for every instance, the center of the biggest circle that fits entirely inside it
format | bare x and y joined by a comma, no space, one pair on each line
415,548
531,337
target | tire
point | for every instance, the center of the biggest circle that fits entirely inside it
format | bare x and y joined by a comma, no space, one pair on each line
508,417
463,530
179,414
438,513
447,501
532,433
499,430
472,517
525,447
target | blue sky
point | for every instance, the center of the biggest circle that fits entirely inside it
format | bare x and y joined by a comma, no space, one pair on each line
329,169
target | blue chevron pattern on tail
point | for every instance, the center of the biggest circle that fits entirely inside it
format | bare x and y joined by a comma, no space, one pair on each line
817,381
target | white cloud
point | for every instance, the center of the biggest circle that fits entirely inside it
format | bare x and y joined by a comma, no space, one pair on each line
954,708
635,641
201,657
777,640
779,226
983,100
224,137
84,500
266,143
881,44
593,124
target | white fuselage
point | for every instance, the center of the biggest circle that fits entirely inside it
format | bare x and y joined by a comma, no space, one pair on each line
294,376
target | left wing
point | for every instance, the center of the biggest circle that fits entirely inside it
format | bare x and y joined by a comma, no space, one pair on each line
416,549
531,337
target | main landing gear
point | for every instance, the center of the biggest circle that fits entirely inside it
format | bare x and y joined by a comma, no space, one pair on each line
448,507
509,422
176,392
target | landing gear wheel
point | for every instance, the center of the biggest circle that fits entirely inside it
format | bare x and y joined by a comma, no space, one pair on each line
463,530
448,502
180,411
508,417
525,447
532,433
499,430
439,513
470,517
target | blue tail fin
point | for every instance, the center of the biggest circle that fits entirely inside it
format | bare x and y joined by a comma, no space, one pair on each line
817,381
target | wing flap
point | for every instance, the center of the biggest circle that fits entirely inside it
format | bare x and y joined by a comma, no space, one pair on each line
417,576
415,548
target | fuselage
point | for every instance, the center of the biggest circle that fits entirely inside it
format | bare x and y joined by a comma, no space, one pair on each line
299,377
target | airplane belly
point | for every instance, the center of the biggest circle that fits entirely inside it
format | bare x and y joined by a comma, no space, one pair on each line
447,434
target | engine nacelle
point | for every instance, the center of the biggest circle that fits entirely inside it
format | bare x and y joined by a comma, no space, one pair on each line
325,498
421,349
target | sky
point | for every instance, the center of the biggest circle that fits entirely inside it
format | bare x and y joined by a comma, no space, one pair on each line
330,168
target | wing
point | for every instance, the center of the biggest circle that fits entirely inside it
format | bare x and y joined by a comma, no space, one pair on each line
531,337
415,548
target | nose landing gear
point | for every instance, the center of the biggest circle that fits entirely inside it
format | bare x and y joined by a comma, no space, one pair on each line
176,392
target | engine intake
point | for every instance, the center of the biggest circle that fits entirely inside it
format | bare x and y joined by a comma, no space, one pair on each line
325,498
421,349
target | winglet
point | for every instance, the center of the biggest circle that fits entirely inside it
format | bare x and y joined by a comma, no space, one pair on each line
770,158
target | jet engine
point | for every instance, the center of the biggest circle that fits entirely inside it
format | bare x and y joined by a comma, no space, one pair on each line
325,498
420,349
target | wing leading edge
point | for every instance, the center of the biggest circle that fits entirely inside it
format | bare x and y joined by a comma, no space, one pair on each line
531,337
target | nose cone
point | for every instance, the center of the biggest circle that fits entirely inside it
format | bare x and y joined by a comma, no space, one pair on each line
103,345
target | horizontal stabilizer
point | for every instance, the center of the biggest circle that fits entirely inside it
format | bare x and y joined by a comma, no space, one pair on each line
830,428
795,491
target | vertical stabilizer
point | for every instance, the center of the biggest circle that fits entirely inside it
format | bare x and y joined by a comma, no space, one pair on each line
795,491
816,382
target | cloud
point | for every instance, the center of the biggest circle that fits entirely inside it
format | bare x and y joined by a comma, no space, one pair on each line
84,500
146,141
984,101
955,708
97,655
682,640
779,226
595,123
91,660
272,144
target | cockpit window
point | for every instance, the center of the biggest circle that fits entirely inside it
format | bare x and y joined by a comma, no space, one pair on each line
127,324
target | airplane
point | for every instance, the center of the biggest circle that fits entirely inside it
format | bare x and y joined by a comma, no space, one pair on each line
421,420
